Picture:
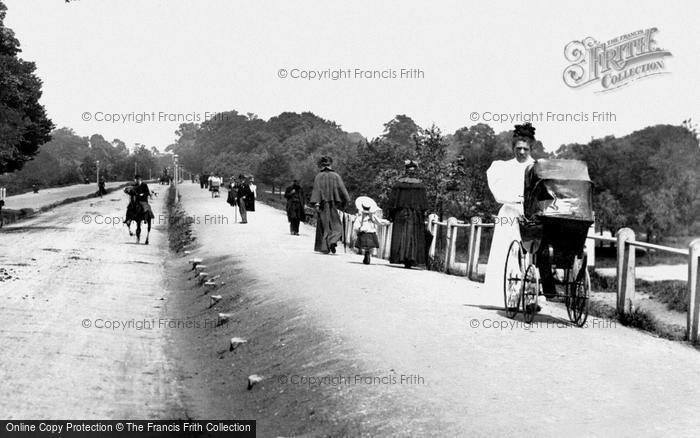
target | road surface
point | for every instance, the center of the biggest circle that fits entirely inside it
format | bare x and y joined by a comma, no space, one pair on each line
343,348
68,279
47,197
480,373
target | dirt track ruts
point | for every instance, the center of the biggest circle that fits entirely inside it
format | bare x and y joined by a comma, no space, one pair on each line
70,272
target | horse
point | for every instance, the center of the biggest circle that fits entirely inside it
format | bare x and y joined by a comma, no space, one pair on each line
136,212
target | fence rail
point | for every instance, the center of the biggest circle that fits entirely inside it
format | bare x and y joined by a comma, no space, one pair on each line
624,240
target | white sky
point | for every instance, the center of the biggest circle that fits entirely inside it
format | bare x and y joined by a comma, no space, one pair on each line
185,56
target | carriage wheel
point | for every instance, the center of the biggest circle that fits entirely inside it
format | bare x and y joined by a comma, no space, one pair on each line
513,279
578,291
531,289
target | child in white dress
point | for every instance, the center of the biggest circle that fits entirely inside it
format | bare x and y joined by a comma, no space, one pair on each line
365,227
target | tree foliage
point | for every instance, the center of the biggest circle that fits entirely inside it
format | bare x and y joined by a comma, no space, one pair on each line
24,125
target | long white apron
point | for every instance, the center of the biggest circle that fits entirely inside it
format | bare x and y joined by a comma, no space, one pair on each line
506,182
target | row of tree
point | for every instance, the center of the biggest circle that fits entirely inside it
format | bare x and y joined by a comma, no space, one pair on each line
647,180
27,157
69,159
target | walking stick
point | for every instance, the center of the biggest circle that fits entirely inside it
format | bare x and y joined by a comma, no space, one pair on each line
235,210
345,245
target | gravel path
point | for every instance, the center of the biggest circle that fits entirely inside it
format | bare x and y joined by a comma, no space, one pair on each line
47,197
481,372
66,275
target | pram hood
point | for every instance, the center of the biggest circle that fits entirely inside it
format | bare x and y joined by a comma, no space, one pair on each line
558,189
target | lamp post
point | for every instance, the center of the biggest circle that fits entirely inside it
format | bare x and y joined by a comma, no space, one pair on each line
176,170
175,173
98,174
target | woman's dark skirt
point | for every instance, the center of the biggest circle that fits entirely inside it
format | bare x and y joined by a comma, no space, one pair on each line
408,238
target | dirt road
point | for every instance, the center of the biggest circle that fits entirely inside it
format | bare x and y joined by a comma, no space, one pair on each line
46,197
440,356
69,280
344,349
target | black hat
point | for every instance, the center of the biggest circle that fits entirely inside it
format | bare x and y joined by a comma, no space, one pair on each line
137,176
325,161
241,176
524,132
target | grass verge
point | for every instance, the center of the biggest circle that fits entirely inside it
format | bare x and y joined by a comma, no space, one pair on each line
179,226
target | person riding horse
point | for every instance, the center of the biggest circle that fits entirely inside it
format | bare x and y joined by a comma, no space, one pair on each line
138,209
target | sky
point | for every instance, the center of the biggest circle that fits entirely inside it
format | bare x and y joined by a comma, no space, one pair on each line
108,64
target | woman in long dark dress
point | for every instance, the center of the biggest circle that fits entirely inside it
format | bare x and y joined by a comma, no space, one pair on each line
408,203
295,207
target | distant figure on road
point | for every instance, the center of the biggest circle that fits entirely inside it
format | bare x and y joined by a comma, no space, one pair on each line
139,210
328,195
408,203
365,226
250,206
101,187
242,193
295,206
142,195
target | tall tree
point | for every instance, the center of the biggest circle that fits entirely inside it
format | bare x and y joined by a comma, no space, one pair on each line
401,131
24,125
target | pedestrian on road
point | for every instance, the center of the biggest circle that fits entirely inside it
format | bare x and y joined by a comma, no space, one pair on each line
328,195
408,203
101,187
295,206
506,181
242,194
365,226
250,205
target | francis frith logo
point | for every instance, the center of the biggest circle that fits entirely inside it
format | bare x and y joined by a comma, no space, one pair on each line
616,62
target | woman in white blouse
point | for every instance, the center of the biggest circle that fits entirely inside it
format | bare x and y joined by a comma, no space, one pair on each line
506,182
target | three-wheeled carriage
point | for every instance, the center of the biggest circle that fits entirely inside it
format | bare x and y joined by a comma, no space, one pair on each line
558,212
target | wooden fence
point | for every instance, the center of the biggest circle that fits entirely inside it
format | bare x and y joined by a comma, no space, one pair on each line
625,243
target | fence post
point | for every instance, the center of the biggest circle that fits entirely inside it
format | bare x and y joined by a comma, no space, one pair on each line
387,241
433,227
474,243
625,270
590,246
450,244
693,332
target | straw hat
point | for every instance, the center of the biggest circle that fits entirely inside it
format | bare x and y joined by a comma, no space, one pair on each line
366,203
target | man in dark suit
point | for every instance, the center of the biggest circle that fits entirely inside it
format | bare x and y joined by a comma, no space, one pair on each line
243,194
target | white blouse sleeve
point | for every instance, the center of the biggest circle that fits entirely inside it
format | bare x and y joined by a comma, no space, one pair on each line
505,184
